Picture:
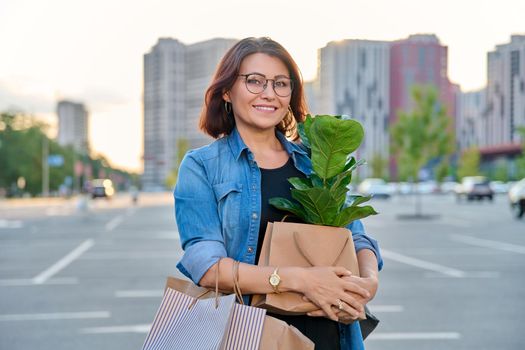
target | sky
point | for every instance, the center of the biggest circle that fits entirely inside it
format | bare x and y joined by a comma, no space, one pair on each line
92,51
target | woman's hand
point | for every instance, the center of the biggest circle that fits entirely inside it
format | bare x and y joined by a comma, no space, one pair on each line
347,315
330,286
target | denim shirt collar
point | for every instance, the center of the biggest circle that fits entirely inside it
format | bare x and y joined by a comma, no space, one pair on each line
298,154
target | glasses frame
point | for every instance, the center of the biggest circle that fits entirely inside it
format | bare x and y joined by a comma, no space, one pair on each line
245,76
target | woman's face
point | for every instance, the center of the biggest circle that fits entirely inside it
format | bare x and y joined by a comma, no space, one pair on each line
264,110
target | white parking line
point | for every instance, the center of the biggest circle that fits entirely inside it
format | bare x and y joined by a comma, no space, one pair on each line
11,223
386,308
415,336
138,328
111,225
485,243
62,263
30,282
55,316
422,264
139,293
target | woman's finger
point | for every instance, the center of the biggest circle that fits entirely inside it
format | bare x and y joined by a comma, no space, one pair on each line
317,313
354,288
341,271
351,311
329,312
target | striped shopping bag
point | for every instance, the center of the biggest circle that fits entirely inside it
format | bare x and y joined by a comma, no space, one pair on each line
187,322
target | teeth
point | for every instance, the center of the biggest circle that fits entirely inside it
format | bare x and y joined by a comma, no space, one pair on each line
263,108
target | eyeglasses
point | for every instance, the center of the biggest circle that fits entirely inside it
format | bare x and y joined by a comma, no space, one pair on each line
257,83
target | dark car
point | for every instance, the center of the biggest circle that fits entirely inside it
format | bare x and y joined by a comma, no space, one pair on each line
475,187
102,188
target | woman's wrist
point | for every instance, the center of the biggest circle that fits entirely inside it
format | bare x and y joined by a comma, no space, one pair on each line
292,279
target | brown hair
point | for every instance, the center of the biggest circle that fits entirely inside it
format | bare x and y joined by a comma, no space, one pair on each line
214,119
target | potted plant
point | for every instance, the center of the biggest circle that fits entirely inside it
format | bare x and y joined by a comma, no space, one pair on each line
321,198
321,202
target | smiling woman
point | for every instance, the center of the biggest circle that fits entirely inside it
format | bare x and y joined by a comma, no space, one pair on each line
221,199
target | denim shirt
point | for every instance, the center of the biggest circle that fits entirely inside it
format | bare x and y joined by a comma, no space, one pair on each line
218,208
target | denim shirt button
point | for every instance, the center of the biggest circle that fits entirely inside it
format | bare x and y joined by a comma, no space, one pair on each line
254,216
250,250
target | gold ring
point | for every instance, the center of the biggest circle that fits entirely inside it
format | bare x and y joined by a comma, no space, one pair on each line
339,304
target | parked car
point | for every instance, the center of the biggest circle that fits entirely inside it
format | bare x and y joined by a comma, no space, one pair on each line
517,198
448,186
499,187
474,187
378,188
102,188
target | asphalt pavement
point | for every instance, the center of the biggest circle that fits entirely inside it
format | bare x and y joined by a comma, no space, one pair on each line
81,275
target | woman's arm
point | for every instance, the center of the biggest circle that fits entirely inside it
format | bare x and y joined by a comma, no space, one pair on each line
321,285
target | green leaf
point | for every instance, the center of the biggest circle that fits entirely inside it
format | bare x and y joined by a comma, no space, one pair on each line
300,183
339,187
356,200
304,130
349,164
332,140
318,204
350,214
289,206
316,180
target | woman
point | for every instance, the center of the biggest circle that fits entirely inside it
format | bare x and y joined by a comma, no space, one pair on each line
221,198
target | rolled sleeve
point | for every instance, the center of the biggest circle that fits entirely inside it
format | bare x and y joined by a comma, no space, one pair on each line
364,241
197,219
199,257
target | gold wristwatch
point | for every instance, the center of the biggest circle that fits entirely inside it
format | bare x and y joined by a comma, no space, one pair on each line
275,280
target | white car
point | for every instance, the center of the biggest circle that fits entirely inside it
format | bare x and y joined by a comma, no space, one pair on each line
517,198
373,186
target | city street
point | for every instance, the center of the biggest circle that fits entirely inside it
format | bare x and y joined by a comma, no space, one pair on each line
90,276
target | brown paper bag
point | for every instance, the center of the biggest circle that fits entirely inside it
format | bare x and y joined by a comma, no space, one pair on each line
276,334
279,335
304,245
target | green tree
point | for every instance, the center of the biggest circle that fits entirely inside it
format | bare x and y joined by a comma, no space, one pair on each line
22,138
520,161
422,134
182,147
469,163
378,164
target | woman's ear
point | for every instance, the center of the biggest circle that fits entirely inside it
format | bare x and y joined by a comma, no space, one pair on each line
226,97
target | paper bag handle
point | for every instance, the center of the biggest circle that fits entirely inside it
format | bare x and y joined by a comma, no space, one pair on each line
207,291
236,287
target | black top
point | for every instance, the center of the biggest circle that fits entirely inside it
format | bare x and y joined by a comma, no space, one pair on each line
274,183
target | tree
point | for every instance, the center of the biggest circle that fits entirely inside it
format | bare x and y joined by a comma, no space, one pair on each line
22,138
469,163
520,162
182,147
422,134
378,165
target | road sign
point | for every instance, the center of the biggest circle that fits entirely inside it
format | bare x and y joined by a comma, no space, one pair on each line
55,160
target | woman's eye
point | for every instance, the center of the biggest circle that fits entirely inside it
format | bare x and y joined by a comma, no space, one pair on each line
281,83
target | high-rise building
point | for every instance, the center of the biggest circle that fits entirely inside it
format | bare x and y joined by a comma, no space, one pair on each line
505,93
418,60
469,122
73,125
175,79
354,80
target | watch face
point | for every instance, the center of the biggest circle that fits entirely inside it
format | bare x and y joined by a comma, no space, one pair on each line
274,280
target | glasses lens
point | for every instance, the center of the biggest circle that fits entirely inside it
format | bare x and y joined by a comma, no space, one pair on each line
283,87
255,83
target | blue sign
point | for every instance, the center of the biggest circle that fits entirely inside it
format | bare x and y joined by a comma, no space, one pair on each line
55,160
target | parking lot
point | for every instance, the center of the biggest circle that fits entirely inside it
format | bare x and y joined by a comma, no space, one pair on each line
86,279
